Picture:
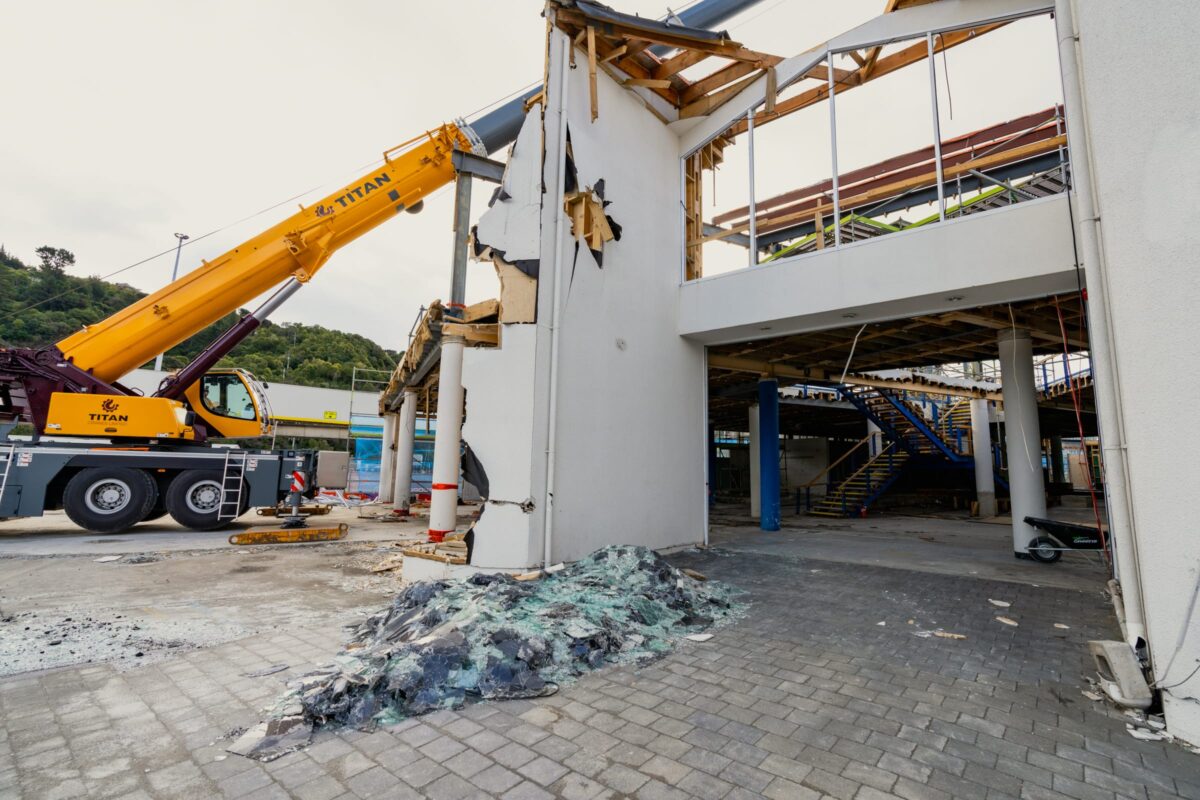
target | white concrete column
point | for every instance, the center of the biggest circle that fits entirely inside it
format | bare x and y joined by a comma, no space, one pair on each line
406,431
443,507
1022,437
387,459
981,447
875,446
755,477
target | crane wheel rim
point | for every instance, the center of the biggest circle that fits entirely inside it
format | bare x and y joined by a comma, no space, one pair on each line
108,496
203,497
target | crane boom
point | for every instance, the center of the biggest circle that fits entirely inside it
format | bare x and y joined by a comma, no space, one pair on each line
83,368
296,247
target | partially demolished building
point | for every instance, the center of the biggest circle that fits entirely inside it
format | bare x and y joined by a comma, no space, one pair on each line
623,342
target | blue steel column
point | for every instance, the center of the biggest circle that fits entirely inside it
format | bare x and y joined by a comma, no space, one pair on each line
768,452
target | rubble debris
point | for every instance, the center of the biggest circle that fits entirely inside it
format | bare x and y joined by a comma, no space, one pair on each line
260,673
694,575
141,558
1145,734
444,552
389,564
444,643
274,738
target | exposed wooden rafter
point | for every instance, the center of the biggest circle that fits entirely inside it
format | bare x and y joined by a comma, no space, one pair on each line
621,49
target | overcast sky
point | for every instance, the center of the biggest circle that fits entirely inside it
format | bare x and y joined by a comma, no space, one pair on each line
130,120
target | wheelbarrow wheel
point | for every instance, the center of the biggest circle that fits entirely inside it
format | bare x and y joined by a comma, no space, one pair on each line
1045,550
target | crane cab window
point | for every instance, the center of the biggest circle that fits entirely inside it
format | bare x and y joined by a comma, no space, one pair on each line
227,396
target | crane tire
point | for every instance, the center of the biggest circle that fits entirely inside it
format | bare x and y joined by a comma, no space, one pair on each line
160,509
109,499
194,498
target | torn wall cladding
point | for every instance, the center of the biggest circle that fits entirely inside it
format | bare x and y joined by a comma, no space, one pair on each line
508,232
444,643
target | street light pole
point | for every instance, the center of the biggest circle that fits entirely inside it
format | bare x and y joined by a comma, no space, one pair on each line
182,237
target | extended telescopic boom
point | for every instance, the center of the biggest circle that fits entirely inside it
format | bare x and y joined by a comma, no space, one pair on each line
301,244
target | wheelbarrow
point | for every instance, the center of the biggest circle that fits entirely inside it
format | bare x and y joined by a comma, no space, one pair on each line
1062,536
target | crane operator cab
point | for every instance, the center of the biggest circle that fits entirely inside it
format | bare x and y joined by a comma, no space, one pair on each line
231,403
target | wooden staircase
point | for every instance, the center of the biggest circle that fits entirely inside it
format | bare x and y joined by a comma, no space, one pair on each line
862,487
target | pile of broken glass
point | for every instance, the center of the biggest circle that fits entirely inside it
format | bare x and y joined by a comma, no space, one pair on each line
444,643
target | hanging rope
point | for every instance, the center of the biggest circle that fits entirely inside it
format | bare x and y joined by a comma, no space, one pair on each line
1062,327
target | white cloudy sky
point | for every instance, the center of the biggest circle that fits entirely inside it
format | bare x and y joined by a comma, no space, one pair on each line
130,120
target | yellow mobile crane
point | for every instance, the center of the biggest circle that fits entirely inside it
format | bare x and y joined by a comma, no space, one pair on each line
147,456
150,456
292,251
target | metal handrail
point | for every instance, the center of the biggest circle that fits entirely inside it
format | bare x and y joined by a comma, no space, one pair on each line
871,461
842,458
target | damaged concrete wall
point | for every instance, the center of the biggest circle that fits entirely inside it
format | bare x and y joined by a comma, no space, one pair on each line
500,382
508,233
629,456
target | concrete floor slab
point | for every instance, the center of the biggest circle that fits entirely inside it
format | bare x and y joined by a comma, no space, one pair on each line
949,545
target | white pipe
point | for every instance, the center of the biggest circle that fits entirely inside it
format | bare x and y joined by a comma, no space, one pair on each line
443,504
405,438
837,205
556,306
1105,373
387,459
937,130
753,205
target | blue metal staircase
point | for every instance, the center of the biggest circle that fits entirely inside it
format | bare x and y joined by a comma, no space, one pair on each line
865,485
913,440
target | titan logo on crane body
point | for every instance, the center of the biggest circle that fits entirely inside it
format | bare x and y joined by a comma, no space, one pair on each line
356,194
109,407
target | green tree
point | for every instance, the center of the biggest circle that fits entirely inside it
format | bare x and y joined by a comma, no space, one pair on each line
55,259
42,305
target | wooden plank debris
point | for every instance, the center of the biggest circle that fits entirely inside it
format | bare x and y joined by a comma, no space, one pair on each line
589,223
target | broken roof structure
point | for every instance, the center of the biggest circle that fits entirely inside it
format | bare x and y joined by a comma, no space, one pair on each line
655,310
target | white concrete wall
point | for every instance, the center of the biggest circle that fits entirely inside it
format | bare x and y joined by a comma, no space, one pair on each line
499,428
805,459
629,451
1016,253
1145,148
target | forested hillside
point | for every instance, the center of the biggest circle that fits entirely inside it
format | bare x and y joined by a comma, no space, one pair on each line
40,304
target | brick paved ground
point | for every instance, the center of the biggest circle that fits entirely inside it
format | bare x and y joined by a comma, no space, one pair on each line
807,697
